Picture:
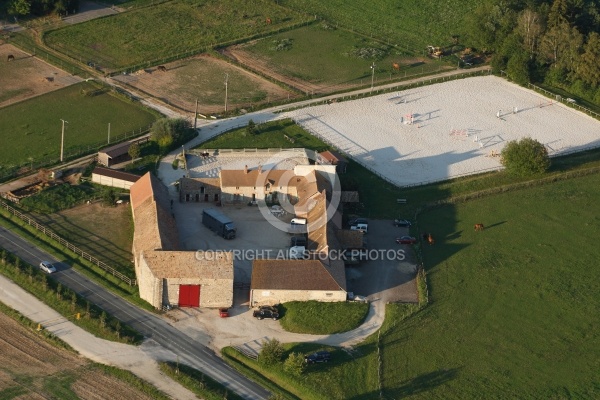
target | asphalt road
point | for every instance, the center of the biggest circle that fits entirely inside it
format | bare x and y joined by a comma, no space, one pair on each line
148,324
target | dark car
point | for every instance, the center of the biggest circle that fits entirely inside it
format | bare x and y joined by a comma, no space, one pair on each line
298,241
356,221
406,240
318,357
266,312
404,223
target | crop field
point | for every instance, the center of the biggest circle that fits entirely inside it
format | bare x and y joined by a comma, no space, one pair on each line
31,367
416,23
31,130
320,58
144,35
514,308
28,76
203,78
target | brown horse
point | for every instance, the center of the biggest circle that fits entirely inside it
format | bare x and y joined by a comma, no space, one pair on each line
10,58
161,68
478,227
430,239
269,21
396,66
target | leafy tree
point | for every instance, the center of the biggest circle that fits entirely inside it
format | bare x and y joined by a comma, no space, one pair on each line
588,68
251,128
295,364
19,7
109,196
530,28
134,151
271,352
517,68
169,132
525,157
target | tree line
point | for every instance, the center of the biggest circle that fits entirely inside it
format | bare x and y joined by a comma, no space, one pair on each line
37,8
556,42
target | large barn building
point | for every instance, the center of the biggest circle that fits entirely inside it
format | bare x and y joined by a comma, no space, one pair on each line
166,275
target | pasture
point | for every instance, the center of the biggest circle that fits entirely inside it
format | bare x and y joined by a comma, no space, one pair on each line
203,78
514,308
148,35
414,23
27,76
32,129
321,59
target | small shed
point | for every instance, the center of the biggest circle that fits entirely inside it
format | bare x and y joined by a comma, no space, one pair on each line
114,154
114,178
333,158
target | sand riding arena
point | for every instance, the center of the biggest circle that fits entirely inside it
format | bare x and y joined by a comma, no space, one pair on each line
446,130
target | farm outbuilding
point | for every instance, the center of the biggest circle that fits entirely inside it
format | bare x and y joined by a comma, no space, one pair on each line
114,178
281,281
333,158
165,275
114,154
199,189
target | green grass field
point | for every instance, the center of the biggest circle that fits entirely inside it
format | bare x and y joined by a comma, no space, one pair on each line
322,318
31,130
515,308
325,56
416,23
270,135
166,30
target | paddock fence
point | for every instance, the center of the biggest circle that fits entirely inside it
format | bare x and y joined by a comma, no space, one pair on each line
49,233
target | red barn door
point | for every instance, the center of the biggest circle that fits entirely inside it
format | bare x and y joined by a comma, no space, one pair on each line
189,295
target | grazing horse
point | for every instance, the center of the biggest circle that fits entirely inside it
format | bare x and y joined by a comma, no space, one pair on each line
161,68
478,227
10,58
269,21
430,239
396,66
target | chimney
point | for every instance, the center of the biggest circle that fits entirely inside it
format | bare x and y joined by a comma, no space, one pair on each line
246,169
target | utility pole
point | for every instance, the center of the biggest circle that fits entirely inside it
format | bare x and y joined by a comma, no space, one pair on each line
372,75
196,114
62,139
226,79
109,133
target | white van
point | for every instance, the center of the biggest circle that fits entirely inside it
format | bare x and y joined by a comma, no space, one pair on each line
360,227
298,221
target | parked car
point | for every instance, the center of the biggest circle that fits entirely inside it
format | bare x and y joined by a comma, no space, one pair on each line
224,312
298,241
406,240
266,312
404,223
357,221
357,298
318,357
47,267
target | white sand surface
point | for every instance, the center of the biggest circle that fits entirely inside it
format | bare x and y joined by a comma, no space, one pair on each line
372,130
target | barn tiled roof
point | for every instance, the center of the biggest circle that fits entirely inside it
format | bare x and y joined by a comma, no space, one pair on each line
113,173
188,264
154,224
350,239
297,275
187,184
241,178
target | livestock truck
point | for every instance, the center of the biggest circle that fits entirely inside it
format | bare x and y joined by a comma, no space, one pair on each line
219,223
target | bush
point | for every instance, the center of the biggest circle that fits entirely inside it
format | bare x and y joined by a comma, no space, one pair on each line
525,157
295,364
271,352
